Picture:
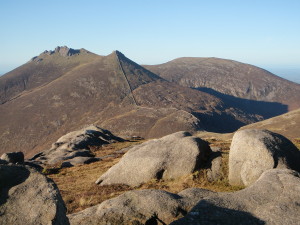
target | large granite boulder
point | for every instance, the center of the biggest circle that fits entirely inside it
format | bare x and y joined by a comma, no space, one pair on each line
254,151
141,207
169,157
13,157
273,199
28,197
76,144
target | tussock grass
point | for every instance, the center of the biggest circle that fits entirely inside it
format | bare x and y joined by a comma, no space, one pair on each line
79,191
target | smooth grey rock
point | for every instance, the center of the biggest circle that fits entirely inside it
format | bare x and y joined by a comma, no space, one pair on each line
273,199
28,197
254,151
13,157
141,207
172,156
215,170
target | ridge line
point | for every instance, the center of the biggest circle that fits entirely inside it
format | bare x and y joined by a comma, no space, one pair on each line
127,81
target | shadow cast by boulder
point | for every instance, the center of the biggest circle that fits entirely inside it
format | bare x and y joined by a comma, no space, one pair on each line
207,213
11,176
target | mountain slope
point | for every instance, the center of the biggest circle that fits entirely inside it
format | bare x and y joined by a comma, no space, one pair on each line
41,70
84,94
230,78
110,91
286,124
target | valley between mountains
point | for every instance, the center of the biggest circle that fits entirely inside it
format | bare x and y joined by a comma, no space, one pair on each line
91,139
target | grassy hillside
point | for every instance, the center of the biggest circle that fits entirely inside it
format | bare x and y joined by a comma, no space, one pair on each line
287,124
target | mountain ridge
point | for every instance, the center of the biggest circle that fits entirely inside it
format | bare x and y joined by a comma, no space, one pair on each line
112,92
49,64
231,78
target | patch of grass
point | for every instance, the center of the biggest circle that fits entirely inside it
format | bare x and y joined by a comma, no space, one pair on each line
51,169
296,142
108,149
78,188
79,191
77,184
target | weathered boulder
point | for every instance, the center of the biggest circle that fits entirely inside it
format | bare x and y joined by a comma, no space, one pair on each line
13,157
254,151
172,156
28,197
273,199
76,144
214,171
141,207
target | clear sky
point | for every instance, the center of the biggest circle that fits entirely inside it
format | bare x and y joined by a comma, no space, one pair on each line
264,33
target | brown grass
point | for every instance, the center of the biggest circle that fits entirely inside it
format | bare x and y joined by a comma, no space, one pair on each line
79,191
296,142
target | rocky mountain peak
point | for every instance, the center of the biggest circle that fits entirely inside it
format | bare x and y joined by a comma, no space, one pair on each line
119,53
61,50
65,51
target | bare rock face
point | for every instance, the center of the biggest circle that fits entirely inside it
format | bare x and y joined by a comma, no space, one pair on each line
273,199
61,50
28,197
13,157
254,151
76,144
169,157
141,207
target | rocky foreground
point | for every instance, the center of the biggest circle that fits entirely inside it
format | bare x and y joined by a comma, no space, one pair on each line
265,162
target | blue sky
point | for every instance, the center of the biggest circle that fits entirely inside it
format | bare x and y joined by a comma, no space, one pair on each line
264,33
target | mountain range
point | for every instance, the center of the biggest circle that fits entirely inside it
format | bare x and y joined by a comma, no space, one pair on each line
65,89
228,78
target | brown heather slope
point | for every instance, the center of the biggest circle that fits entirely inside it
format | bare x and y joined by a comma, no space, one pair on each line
41,70
110,91
227,78
92,91
287,124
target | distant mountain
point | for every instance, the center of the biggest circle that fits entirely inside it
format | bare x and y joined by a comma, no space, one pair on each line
286,124
64,90
228,78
